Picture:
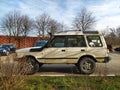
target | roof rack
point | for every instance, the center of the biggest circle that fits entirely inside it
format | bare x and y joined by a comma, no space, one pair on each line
92,32
68,31
85,32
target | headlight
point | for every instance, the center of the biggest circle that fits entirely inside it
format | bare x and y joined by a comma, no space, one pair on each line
4,51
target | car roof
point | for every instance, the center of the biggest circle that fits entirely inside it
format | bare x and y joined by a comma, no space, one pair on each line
7,44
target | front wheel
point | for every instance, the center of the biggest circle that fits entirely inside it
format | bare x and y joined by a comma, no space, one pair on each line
86,65
29,66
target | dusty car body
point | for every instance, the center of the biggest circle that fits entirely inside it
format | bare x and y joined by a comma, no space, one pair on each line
70,47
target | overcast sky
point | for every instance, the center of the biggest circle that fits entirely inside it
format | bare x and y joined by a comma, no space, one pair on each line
107,12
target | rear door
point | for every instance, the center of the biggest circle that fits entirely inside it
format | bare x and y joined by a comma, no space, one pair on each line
76,47
97,46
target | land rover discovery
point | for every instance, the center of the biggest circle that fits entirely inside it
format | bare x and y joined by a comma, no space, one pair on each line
83,49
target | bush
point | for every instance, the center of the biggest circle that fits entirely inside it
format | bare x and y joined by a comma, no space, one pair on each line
10,77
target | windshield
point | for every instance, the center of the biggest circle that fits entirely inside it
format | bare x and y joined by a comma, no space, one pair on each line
40,43
0,46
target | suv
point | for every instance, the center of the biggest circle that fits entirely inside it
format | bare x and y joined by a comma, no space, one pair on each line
9,47
3,51
83,49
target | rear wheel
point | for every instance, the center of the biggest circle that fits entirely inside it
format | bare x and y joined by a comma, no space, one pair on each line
30,66
86,65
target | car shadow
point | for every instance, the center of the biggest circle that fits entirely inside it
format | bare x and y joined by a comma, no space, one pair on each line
59,68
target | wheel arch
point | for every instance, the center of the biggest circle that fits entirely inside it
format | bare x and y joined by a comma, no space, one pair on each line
32,57
89,56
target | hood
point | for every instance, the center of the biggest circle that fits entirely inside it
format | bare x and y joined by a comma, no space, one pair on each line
2,49
27,49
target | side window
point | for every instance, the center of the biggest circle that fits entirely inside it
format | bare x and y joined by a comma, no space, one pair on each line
58,41
94,41
76,41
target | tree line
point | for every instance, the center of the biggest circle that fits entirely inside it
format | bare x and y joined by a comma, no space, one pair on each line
112,36
16,24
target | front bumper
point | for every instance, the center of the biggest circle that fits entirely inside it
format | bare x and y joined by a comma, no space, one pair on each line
2,53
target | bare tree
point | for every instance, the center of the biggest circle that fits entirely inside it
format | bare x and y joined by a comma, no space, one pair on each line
118,31
111,38
42,24
26,26
61,26
118,35
52,26
112,35
55,26
84,20
15,24
12,24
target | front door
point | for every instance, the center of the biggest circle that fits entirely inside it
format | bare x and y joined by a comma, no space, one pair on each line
56,50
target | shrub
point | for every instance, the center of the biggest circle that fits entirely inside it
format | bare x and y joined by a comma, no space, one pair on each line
10,77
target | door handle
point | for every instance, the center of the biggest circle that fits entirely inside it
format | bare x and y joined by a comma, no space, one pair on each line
63,50
82,49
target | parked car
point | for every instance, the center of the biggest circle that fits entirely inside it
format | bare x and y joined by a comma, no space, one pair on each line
117,49
3,51
69,47
40,43
9,47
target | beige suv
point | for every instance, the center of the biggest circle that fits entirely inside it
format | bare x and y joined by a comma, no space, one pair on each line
83,49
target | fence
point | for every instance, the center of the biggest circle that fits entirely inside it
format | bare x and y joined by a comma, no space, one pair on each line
20,42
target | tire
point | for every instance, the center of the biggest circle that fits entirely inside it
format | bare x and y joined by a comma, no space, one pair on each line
30,66
86,65
40,65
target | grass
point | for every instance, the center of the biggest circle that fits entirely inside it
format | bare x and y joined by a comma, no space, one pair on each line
11,79
72,83
68,83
